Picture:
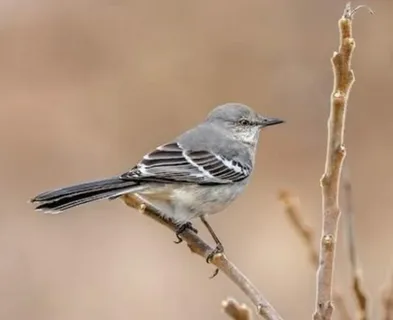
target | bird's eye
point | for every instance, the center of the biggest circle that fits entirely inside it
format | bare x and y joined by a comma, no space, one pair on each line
244,122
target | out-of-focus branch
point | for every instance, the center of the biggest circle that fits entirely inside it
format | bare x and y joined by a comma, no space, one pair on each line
387,299
198,246
356,271
305,232
301,227
335,153
236,310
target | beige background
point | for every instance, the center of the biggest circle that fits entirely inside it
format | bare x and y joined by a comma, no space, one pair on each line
87,87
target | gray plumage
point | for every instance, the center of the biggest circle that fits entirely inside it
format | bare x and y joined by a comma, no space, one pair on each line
198,173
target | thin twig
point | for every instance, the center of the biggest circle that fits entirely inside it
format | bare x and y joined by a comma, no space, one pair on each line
198,246
301,227
335,153
387,299
356,271
236,310
305,232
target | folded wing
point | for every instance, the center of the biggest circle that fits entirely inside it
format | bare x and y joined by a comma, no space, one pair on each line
172,163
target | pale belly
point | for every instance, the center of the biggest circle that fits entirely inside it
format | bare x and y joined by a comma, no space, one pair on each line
187,202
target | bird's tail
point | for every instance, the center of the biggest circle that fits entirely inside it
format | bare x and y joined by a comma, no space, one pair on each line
58,200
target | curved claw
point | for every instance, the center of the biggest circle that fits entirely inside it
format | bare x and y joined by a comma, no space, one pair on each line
217,250
181,228
214,273
179,240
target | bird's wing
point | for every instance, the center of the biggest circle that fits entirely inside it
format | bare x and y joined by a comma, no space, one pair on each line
172,163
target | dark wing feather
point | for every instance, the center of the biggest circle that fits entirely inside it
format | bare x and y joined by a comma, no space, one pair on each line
171,163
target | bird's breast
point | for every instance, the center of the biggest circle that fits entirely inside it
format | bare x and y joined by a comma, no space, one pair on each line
184,202
204,200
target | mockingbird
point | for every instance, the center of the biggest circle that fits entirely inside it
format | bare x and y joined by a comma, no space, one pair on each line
197,174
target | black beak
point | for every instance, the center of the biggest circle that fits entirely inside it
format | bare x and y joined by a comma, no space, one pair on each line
265,122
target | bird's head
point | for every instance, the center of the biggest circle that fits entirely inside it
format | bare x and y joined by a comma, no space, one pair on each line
241,121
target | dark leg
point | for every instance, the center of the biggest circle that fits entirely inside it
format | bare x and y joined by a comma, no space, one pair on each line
219,247
181,228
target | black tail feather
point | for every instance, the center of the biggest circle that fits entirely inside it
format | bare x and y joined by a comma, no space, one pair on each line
65,198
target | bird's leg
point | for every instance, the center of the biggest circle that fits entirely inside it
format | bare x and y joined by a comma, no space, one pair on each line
181,228
219,247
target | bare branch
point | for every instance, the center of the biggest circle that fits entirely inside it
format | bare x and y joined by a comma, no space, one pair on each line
236,310
356,271
335,153
198,246
301,227
304,230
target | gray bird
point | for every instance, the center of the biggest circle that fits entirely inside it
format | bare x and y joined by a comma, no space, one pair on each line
197,174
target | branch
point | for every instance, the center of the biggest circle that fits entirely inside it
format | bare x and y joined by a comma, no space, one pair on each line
198,246
307,234
357,280
301,227
335,153
236,310
387,299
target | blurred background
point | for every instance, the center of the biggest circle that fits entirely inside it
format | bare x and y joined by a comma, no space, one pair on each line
87,87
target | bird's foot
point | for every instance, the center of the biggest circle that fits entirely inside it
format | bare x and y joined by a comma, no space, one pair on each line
219,249
181,228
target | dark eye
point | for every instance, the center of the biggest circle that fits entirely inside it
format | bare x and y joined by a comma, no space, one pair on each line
244,122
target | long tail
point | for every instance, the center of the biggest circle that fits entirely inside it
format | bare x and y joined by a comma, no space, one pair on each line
58,200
